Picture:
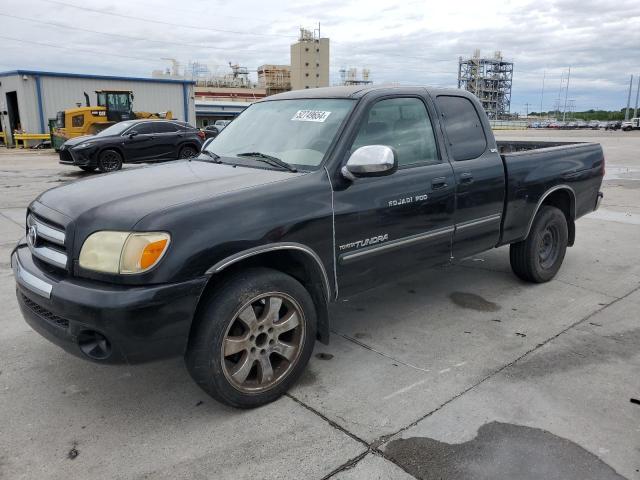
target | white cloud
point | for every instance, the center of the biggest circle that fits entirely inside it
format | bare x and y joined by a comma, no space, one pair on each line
407,41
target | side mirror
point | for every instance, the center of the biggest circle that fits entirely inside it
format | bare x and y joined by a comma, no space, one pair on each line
206,143
370,161
132,134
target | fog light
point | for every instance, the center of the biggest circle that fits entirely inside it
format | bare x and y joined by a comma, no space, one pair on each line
94,345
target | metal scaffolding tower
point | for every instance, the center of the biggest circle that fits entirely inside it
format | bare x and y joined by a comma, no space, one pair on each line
490,80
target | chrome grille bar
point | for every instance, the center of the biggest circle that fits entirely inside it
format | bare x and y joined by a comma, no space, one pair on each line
50,255
46,231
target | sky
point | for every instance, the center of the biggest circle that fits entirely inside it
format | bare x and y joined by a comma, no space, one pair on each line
405,42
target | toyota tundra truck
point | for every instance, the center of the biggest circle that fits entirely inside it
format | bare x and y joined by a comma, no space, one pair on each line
232,258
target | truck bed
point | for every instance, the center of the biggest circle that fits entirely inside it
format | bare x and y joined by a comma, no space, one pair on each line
534,169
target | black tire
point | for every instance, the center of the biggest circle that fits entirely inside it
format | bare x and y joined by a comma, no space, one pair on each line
188,151
538,258
87,168
109,161
220,312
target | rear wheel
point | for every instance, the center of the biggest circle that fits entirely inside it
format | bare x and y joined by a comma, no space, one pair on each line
252,338
109,161
187,152
539,257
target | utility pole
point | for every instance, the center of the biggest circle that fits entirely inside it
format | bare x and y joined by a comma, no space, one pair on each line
560,93
544,74
566,94
626,112
635,110
526,105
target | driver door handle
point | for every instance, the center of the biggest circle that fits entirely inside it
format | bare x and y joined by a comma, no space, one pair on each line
438,183
466,178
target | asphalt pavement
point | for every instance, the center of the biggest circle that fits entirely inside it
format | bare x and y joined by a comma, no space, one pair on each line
459,372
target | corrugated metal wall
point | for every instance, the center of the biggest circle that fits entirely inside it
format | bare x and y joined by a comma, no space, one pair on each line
25,90
58,93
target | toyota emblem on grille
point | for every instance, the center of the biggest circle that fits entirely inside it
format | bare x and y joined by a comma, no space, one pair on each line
32,235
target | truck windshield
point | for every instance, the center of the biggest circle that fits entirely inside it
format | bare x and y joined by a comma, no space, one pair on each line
297,131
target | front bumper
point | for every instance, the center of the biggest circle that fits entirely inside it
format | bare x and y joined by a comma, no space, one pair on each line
139,323
84,157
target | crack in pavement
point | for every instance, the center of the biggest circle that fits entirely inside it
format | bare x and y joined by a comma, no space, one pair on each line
11,220
374,446
364,345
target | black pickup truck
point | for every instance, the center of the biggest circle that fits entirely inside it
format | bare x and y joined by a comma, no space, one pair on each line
231,258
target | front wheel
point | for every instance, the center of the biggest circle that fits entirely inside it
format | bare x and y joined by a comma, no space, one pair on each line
109,161
539,257
252,338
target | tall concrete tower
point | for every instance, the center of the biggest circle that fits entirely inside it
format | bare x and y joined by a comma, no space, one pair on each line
310,61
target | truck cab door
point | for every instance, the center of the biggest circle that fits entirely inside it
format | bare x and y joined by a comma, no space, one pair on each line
395,224
479,174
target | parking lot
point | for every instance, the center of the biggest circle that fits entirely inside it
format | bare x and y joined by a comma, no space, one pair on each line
454,373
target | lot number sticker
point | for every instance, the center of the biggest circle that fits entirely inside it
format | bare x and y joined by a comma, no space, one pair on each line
310,116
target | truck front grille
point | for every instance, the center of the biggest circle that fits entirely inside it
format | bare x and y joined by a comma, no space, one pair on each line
45,314
46,241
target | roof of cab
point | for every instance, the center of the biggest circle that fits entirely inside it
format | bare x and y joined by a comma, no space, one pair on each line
357,91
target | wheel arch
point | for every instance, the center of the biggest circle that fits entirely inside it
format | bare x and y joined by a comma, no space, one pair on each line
115,148
562,197
294,259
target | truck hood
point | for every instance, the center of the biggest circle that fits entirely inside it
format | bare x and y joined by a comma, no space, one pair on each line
121,199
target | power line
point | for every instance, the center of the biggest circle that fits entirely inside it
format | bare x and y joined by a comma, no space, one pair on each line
95,52
161,22
334,43
119,35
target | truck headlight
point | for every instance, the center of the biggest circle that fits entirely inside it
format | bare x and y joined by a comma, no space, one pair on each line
123,252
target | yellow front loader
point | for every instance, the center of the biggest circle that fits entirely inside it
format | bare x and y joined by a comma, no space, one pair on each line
112,106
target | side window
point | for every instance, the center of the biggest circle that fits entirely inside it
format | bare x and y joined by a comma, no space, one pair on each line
164,127
142,128
403,124
463,126
77,120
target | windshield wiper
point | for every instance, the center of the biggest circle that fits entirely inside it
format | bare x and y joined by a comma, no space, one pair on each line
271,160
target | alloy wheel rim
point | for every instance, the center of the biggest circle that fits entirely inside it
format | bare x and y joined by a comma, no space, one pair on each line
110,161
263,342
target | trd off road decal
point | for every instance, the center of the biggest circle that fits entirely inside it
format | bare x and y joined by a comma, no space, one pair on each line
365,243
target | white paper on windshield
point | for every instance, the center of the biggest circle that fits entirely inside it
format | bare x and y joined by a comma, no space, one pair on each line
310,116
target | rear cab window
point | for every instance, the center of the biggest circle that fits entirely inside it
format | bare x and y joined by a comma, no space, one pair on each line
462,124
